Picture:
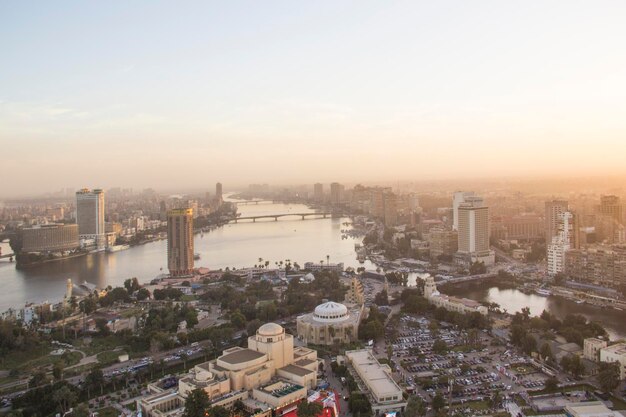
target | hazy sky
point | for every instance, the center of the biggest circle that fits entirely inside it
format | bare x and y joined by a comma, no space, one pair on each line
170,94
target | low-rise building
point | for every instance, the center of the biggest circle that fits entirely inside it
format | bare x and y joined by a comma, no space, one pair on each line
459,305
50,238
615,353
590,409
592,348
385,394
269,372
330,323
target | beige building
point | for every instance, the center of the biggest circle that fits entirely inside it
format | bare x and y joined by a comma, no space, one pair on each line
330,323
384,393
180,241
50,238
355,294
459,305
473,237
615,353
269,374
592,348
590,409
553,210
442,242
90,216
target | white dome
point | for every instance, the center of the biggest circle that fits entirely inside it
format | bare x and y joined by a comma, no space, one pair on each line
331,311
270,329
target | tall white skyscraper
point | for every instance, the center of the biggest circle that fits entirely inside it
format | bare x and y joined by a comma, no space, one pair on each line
90,216
459,198
561,243
473,231
553,211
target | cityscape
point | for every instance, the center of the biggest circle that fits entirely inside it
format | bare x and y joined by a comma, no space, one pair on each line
313,210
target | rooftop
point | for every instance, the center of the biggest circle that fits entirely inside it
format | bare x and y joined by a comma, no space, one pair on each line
241,356
619,348
296,370
373,373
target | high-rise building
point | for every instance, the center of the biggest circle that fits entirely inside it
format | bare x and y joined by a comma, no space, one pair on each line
336,193
561,243
459,198
473,232
554,209
90,216
218,191
611,206
180,241
318,192
390,203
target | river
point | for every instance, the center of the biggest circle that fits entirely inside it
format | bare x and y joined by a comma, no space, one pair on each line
233,245
514,300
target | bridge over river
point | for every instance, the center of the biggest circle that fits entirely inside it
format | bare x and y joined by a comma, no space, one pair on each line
303,216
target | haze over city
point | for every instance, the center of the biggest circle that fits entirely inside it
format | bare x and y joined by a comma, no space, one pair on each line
277,91
313,209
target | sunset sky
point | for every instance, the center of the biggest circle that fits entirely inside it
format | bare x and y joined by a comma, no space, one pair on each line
182,94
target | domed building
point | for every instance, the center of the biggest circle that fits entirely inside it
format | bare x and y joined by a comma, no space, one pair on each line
330,323
270,374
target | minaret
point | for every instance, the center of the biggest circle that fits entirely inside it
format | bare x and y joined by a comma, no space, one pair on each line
68,291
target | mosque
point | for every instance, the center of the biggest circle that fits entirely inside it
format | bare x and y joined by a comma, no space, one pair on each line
269,375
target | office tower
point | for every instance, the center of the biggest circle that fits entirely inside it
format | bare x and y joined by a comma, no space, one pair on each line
459,198
390,204
180,241
318,192
473,232
218,191
611,206
561,243
336,193
90,216
554,209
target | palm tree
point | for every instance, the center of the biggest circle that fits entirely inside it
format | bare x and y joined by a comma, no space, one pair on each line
183,357
327,260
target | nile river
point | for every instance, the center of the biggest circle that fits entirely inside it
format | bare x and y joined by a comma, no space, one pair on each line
513,300
241,245
233,245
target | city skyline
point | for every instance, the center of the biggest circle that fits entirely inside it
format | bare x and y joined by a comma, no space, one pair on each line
378,92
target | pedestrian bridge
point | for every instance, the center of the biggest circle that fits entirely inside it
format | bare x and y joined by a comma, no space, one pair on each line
277,216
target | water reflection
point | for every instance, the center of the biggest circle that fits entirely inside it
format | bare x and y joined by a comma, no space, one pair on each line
234,245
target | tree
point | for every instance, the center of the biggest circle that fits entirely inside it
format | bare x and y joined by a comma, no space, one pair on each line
496,398
64,397
81,410
438,402
415,407
101,325
551,384
253,326
184,357
307,409
57,370
142,294
381,298
94,379
546,352
440,347
197,403
608,377
238,320
218,411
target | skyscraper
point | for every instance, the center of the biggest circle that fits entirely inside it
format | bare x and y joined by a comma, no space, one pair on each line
90,216
459,198
336,193
318,192
180,241
218,191
554,209
611,206
390,204
473,232
561,243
